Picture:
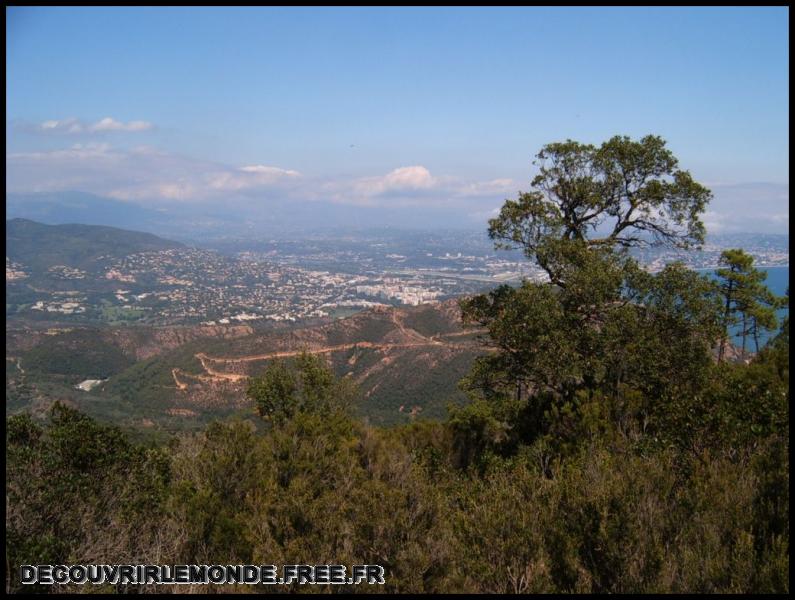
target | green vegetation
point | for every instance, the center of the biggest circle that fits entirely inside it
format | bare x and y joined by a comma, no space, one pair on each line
77,355
595,504
746,300
62,482
280,392
115,315
79,246
428,321
604,449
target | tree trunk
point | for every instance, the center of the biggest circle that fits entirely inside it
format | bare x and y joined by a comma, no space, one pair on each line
726,314
745,333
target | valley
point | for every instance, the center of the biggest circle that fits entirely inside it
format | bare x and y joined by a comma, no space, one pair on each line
406,361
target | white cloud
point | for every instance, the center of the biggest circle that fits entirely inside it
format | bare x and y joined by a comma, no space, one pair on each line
148,192
495,186
147,175
249,178
404,179
748,207
150,176
66,126
415,185
109,124
411,178
143,174
269,171
72,126
74,152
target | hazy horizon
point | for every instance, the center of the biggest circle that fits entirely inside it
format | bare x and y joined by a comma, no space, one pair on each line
399,117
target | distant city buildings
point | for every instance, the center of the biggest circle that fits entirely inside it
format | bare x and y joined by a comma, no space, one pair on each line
14,271
307,280
405,294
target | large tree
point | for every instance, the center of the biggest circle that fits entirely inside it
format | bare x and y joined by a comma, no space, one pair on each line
601,323
623,193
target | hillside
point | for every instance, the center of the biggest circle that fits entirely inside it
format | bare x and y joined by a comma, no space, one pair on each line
40,246
59,208
406,361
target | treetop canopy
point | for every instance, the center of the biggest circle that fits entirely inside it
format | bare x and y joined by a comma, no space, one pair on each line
623,193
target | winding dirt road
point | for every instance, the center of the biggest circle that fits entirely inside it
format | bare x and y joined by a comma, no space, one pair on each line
215,375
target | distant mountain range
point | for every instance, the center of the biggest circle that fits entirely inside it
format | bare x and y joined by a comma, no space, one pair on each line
270,217
41,246
78,207
280,217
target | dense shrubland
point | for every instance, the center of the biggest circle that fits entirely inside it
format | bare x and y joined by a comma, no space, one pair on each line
593,503
609,445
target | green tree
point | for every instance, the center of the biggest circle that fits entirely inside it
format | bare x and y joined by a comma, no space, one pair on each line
762,314
622,193
308,385
734,262
747,301
274,392
602,324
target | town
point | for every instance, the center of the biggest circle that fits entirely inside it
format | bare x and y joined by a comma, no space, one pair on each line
283,281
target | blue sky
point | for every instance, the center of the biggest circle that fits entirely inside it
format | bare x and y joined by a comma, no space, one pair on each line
357,105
